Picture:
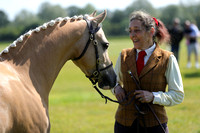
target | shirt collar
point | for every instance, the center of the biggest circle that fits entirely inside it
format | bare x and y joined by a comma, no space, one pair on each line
148,51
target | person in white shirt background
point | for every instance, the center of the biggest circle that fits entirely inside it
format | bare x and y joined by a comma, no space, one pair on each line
192,34
160,69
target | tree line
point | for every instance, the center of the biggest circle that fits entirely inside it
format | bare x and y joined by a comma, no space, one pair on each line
115,24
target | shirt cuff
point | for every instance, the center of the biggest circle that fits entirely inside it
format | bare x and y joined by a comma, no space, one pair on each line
157,98
113,89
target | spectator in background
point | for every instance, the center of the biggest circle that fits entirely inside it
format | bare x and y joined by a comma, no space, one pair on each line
176,33
191,34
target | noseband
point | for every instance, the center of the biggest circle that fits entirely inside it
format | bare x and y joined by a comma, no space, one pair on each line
92,31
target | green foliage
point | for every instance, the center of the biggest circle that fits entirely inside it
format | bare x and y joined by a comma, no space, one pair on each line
3,19
171,12
74,10
144,5
9,32
25,18
115,24
48,12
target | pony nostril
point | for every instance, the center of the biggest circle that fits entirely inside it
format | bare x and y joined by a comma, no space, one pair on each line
107,80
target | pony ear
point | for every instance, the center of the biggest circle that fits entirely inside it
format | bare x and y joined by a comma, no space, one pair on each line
100,18
93,14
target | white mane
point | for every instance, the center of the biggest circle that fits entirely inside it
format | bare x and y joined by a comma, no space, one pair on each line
43,27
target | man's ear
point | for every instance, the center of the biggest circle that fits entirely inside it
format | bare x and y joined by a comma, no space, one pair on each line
152,31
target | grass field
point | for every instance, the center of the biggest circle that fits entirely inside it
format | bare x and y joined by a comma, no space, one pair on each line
75,107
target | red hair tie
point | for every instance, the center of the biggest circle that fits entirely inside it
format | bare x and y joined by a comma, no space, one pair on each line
156,21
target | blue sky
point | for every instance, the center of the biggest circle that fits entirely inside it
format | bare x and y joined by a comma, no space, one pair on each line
13,7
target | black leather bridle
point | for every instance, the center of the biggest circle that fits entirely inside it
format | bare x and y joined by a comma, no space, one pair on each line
92,31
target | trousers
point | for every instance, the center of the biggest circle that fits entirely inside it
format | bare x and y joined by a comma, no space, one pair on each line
136,128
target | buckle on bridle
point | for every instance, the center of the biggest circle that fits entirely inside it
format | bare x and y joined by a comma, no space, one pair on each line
91,37
98,61
95,73
95,42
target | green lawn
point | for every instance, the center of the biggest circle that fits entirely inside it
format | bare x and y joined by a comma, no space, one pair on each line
75,107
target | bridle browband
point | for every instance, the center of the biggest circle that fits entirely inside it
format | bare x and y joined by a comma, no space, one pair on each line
92,31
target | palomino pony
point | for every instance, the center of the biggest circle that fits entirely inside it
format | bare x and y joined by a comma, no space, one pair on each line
30,65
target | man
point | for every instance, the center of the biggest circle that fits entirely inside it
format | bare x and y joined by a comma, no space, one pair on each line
176,33
191,34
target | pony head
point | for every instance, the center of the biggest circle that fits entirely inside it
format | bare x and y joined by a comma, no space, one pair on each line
93,58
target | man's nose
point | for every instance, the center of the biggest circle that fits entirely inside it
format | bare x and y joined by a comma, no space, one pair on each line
132,34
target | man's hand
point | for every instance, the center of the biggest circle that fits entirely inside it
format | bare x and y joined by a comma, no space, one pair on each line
119,93
144,96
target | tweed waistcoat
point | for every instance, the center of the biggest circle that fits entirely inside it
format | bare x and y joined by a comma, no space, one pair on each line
152,78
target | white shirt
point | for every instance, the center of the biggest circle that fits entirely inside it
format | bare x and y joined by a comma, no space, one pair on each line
195,31
175,93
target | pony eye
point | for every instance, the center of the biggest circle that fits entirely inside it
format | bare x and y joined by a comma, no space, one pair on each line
105,45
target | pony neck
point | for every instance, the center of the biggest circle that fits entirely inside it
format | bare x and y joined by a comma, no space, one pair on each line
41,56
